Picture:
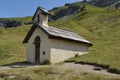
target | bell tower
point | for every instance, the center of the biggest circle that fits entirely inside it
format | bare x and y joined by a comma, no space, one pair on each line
41,17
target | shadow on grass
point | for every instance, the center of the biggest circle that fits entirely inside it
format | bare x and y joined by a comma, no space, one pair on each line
21,64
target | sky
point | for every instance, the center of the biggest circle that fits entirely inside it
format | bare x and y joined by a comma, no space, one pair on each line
22,8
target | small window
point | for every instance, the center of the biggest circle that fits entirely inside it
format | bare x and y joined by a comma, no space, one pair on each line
44,53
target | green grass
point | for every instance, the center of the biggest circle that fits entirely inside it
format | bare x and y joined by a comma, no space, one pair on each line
11,47
53,73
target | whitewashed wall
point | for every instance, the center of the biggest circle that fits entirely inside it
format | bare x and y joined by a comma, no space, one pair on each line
44,46
62,50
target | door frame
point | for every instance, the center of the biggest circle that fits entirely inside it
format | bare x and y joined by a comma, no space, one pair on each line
37,49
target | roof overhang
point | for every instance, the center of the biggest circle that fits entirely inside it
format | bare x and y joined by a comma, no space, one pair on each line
50,36
61,38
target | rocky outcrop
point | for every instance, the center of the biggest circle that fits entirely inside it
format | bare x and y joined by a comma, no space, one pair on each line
113,4
67,10
9,23
101,3
6,23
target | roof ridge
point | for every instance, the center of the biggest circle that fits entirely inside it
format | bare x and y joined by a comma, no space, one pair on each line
62,29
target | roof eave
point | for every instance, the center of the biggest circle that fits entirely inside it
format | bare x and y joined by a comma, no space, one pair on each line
32,30
29,34
62,38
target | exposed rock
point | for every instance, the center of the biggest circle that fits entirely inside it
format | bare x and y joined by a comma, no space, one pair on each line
66,11
9,23
6,23
101,3
117,5
112,4
97,68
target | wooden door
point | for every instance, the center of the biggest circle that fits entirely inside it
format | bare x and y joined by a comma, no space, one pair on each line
37,53
37,49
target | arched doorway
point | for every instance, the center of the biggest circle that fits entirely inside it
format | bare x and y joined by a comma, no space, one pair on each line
37,49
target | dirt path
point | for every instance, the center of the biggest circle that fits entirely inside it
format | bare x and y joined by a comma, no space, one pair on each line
86,69
3,68
71,66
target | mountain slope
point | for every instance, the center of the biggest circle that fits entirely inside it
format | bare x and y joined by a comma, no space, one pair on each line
66,11
111,4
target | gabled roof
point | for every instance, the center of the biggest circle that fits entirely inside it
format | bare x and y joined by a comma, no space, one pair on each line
43,11
56,33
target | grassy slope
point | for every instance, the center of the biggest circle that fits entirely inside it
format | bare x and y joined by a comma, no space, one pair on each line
23,19
99,26
11,47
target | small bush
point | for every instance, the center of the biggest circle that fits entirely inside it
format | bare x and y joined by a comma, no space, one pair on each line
76,55
46,62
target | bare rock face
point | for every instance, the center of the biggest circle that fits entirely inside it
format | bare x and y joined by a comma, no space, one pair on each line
117,5
102,3
66,10
97,68
114,4
9,23
6,23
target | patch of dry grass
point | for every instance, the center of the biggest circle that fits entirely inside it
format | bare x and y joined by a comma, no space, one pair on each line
52,73
11,47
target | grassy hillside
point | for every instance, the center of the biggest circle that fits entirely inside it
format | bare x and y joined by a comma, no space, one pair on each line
100,26
11,47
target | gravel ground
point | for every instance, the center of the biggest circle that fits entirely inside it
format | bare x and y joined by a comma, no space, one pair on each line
3,68
86,68
67,66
